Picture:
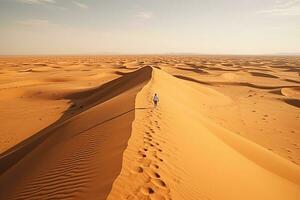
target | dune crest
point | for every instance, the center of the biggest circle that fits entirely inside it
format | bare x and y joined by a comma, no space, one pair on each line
79,156
293,92
177,153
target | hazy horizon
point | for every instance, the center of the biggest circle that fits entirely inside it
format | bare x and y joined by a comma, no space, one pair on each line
126,27
149,54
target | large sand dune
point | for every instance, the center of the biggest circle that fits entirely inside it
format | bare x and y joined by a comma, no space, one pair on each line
85,128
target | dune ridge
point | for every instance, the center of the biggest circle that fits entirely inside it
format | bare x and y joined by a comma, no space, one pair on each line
71,159
176,153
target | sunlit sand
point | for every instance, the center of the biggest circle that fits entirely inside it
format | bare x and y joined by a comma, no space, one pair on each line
85,127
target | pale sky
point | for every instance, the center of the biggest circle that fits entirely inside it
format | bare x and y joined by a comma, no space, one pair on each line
149,26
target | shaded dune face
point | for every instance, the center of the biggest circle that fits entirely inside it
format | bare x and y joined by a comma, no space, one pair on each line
230,83
293,102
263,75
292,81
80,155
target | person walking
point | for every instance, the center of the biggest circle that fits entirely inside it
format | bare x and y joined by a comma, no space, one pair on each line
155,100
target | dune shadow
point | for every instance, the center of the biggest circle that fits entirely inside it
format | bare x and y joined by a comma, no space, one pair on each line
216,83
110,119
211,68
196,70
259,74
292,81
293,70
191,79
80,102
40,64
277,91
286,68
121,73
258,69
292,102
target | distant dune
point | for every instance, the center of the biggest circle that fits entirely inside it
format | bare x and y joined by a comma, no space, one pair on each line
84,127
289,54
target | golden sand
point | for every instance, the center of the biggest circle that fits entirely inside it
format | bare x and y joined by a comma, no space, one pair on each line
85,127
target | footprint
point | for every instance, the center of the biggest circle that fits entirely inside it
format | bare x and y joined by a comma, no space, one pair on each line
147,190
147,144
154,174
159,183
137,170
148,135
142,154
155,166
158,158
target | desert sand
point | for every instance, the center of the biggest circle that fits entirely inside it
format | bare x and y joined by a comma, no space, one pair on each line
84,127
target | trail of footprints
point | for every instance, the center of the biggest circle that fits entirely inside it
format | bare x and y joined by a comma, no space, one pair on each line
150,159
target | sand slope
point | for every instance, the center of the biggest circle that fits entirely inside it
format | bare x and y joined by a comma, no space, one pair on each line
84,127
177,153
79,157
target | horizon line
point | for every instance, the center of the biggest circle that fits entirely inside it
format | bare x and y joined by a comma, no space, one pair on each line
152,54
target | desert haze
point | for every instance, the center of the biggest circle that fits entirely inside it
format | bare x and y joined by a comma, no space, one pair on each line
85,127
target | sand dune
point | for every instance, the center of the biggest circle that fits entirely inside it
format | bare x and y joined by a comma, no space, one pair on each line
71,154
263,75
176,152
293,92
87,129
